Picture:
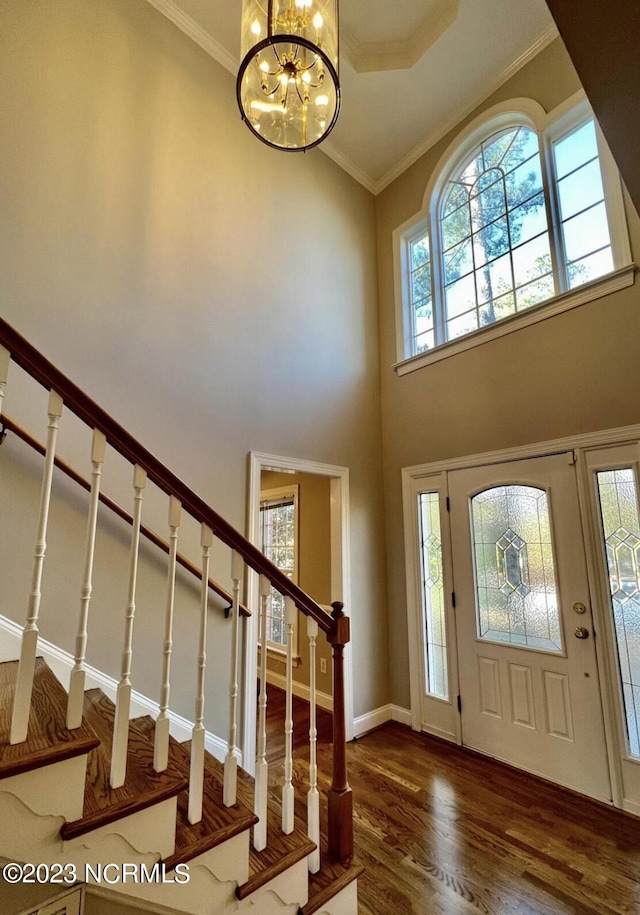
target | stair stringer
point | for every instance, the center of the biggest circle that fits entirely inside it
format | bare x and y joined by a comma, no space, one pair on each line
36,837
343,903
211,886
208,893
213,876
290,888
55,789
151,830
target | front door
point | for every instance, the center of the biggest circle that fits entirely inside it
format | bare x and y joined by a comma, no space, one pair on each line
528,677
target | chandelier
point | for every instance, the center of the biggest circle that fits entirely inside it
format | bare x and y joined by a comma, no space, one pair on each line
287,87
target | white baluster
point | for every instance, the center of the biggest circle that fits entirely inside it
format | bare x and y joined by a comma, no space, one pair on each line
77,679
288,797
123,696
196,779
5,361
231,759
313,797
262,767
26,667
161,745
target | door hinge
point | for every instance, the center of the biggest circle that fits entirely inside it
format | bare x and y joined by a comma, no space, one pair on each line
448,504
459,704
453,599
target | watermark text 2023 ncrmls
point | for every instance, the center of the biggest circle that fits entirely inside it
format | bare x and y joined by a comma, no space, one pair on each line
110,873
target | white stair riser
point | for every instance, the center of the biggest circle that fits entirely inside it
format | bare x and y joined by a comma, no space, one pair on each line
227,861
56,789
290,888
343,903
148,831
36,838
213,877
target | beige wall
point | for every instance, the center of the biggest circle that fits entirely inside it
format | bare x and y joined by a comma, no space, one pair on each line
573,373
314,565
215,296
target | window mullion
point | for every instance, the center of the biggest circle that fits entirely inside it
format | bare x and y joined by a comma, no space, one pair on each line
437,277
552,204
533,234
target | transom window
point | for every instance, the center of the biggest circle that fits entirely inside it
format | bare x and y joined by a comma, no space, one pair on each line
520,214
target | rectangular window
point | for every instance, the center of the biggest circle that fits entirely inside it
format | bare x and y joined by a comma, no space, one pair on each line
527,212
618,498
422,306
279,543
435,633
586,241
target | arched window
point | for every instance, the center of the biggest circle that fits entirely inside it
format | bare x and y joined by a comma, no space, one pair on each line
524,209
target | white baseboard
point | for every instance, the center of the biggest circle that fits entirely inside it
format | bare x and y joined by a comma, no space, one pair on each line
376,718
324,700
61,663
631,807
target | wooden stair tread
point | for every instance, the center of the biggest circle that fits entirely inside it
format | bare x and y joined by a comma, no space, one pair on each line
331,879
48,739
218,822
142,788
282,851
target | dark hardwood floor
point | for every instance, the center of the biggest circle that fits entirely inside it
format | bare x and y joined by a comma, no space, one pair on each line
443,831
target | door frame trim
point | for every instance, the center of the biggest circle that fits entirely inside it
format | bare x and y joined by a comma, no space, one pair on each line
578,443
340,579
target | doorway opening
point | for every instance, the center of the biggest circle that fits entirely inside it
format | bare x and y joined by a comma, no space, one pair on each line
299,516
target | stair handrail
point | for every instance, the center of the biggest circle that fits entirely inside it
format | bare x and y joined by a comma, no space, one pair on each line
336,625
85,408
10,425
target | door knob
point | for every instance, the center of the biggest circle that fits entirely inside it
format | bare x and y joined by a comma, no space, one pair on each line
581,632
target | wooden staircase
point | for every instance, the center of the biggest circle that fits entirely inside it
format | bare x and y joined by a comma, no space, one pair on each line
83,782
105,810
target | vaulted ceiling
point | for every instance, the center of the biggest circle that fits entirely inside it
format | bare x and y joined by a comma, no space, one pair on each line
409,69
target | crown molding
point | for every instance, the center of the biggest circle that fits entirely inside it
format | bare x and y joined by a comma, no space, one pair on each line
186,24
347,165
545,39
401,54
201,37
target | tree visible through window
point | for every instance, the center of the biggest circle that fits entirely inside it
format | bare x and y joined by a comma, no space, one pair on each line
495,237
278,541
518,218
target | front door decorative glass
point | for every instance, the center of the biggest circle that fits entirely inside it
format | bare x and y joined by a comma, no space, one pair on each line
621,528
515,583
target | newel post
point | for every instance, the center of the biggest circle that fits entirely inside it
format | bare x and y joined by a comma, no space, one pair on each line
340,796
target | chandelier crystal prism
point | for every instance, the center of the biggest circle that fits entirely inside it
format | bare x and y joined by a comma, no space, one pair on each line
288,87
